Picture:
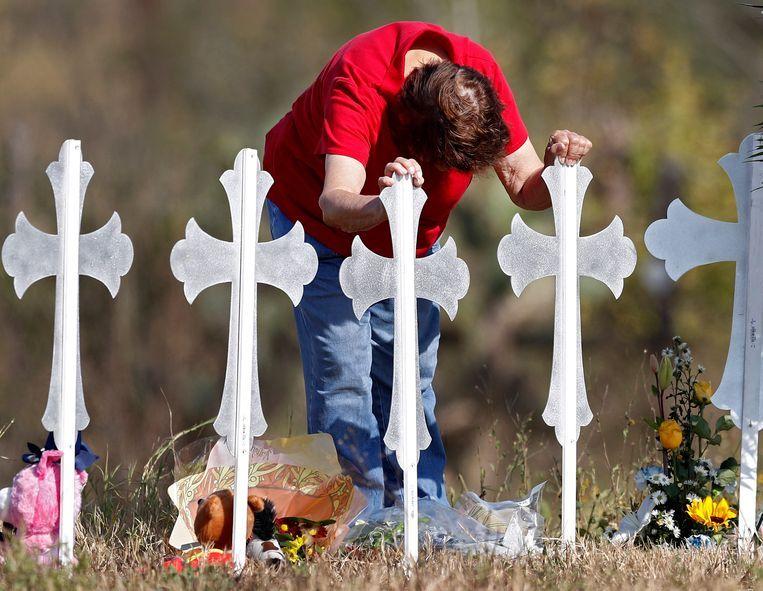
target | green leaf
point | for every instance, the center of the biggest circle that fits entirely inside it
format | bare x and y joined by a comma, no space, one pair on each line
715,439
725,478
700,427
681,472
653,424
724,423
730,464
655,391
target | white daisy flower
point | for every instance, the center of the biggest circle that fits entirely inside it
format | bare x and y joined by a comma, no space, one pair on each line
659,497
666,519
660,479
691,497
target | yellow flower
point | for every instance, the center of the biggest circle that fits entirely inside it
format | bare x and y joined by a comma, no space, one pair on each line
703,392
714,514
670,434
291,549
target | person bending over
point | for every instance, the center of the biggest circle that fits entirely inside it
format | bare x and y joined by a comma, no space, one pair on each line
406,98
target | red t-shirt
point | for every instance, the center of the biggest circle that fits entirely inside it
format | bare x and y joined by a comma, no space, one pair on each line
343,112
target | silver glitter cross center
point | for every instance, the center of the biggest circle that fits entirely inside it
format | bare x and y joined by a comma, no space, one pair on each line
685,240
201,261
368,278
29,255
526,255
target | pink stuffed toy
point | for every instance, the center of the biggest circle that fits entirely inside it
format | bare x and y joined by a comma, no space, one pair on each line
34,500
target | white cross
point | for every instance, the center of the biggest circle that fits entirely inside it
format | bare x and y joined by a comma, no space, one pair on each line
368,278
200,261
30,255
527,255
686,240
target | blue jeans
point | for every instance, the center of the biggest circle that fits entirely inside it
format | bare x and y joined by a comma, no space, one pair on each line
348,378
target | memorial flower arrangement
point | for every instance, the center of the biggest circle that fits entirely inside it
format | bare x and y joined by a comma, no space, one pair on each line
302,539
687,499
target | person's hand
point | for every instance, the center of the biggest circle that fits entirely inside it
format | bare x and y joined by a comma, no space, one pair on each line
402,166
568,146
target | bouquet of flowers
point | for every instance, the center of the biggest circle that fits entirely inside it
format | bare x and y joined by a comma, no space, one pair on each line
301,538
301,475
688,500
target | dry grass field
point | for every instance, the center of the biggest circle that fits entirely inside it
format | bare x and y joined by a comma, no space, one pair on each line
595,566
127,518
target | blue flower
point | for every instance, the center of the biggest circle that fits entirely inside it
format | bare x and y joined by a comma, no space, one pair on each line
699,541
643,475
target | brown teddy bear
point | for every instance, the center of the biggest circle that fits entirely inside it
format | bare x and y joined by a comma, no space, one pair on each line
214,526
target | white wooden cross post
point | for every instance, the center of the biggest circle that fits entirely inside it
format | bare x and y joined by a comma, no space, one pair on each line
526,255
368,278
30,255
200,261
686,240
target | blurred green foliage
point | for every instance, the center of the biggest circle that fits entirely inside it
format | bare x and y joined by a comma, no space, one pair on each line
163,95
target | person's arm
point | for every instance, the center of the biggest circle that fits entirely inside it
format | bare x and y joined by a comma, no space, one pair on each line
341,202
520,172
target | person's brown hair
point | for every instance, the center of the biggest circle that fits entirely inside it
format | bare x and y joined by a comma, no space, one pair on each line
450,116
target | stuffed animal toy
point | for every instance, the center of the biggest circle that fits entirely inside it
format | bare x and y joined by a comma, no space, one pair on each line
213,526
31,504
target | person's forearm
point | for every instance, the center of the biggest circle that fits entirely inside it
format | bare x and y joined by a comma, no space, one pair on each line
534,193
521,171
351,212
